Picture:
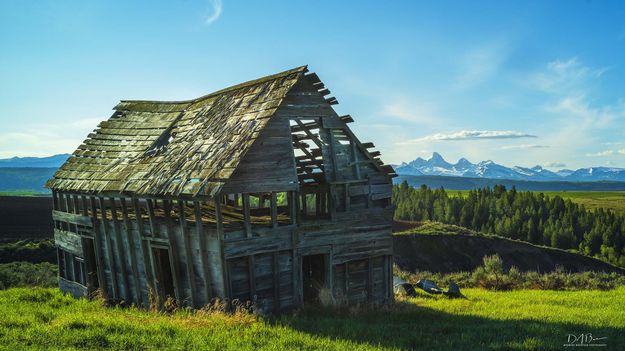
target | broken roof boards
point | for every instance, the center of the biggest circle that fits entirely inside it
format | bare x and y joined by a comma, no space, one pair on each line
182,148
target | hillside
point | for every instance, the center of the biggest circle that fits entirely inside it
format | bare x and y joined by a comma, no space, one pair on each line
25,179
437,247
24,217
517,320
54,161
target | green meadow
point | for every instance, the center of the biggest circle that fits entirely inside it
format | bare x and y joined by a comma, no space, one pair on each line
39,318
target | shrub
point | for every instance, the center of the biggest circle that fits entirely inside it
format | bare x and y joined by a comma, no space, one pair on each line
492,276
23,274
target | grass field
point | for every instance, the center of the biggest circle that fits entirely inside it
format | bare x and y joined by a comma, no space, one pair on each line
592,200
517,320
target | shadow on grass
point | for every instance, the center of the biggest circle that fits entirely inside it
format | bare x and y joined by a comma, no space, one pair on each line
410,327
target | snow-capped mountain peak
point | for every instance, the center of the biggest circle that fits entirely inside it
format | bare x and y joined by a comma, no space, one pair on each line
437,165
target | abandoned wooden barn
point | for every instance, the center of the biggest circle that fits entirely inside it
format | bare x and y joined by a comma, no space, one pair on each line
256,192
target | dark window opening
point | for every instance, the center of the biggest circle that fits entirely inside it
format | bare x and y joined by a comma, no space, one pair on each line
313,277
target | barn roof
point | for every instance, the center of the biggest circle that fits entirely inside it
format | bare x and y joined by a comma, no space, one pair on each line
204,139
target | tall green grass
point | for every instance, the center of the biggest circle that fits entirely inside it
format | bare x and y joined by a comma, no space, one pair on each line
517,320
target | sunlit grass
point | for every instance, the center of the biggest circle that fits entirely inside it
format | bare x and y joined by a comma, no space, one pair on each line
47,319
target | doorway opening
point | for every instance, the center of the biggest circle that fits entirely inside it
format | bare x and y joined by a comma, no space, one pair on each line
164,273
313,276
91,265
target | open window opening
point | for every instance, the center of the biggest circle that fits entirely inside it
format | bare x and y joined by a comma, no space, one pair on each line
256,210
307,149
71,267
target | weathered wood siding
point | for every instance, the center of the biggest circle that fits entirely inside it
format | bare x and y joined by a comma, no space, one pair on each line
268,165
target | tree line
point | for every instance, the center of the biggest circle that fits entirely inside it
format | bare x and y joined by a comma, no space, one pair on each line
522,215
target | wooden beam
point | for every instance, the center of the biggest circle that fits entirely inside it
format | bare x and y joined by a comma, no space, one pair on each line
129,236
346,119
292,203
199,226
347,198
276,283
173,250
146,252
251,264
187,249
72,218
97,236
120,250
152,218
308,133
370,279
246,215
225,269
109,248
355,158
274,210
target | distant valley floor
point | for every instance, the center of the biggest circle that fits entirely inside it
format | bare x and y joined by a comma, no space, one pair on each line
464,183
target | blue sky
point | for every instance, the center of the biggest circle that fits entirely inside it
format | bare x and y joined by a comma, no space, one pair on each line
517,82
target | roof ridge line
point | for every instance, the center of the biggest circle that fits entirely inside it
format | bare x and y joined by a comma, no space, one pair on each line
303,69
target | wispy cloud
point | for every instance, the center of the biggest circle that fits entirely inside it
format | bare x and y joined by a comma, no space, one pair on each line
215,7
554,165
37,140
412,111
566,76
606,153
524,146
470,135
481,63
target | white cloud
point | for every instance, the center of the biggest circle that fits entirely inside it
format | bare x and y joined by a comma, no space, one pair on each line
470,135
606,153
215,11
524,146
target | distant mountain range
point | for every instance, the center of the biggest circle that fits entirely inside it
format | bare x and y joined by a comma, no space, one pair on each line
34,162
437,166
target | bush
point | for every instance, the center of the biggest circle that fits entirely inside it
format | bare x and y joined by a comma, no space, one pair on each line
26,274
34,251
492,276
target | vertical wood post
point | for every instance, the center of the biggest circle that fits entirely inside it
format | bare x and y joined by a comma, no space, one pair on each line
187,250
251,264
97,236
120,251
274,210
129,236
146,252
220,235
199,226
173,250
370,279
246,215
109,248
276,283
152,219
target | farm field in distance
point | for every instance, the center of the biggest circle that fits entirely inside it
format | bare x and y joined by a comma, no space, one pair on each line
515,320
614,200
